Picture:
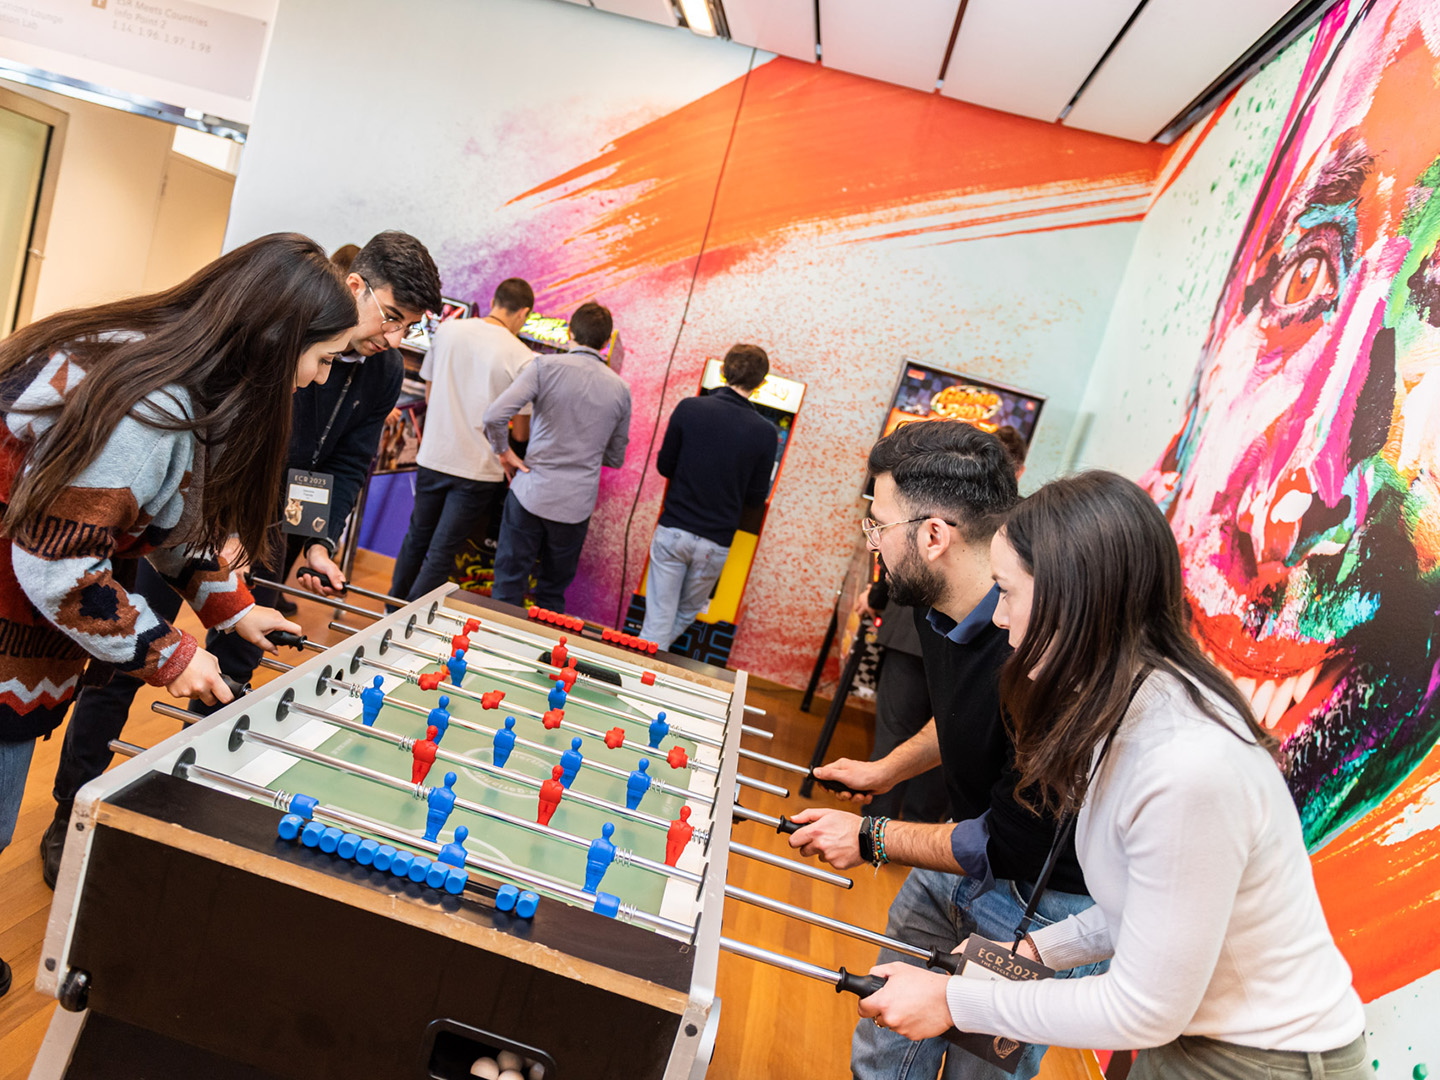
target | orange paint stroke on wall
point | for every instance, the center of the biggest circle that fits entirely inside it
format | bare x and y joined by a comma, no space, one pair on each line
814,147
1379,881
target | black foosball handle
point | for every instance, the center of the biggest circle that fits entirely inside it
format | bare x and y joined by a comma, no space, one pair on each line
865,985
787,826
321,578
945,961
238,689
836,785
284,639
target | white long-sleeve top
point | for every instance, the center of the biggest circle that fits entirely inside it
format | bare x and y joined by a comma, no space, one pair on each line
1204,903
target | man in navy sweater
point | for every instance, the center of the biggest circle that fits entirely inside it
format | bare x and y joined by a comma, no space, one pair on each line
718,454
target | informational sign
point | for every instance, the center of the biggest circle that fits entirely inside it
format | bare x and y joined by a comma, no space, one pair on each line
169,44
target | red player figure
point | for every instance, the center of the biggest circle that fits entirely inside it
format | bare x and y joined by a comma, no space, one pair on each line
424,752
550,792
677,758
431,680
569,675
552,718
648,678
471,625
615,738
458,642
679,835
491,699
559,652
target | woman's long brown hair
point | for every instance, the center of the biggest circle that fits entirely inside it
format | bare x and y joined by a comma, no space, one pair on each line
231,336
1108,605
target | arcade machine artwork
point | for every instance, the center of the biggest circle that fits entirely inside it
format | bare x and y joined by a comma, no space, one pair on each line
926,393
712,635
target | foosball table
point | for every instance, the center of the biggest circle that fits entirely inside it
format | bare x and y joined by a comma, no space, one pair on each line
460,842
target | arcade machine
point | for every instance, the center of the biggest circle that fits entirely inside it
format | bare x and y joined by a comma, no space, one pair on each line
712,635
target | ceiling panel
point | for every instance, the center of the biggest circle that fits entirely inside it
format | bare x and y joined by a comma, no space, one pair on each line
656,11
786,27
1030,56
1172,52
902,43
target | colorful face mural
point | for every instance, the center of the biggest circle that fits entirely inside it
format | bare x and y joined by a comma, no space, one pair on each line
1303,485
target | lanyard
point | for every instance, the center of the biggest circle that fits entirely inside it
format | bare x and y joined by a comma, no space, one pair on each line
1067,826
344,392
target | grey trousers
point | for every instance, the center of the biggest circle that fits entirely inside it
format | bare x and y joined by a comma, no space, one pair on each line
1192,1056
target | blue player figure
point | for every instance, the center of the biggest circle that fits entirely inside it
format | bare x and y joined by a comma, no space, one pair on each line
557,696
456,664
571,760
441,801
505,742
658,730
454,852
637,785
602,854
371,698
440,717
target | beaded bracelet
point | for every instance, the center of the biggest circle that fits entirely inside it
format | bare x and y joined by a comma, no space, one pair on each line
881,857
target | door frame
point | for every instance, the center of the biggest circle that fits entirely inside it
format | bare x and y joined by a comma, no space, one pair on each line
58,121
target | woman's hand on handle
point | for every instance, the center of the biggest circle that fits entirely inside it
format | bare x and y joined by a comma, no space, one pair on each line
911,1003
201,679
259,621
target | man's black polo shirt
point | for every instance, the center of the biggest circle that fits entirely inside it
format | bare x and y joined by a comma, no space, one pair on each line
962,672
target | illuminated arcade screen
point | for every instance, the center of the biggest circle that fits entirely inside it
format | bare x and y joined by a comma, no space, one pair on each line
926,393
420,333
546,330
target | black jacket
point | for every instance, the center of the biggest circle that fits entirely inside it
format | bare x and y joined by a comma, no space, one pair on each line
718,454
358,397
977,758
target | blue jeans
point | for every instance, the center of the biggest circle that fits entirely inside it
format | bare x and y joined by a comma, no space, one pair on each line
935,910
525,537
448,511
14,765
683,570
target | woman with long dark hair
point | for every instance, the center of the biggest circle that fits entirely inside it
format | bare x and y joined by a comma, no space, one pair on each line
154,427
1221,964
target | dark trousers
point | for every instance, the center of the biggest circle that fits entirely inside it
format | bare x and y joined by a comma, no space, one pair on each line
448,511
100,712
524,538
902,708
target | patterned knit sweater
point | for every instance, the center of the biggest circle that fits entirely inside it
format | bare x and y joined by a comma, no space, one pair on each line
60,600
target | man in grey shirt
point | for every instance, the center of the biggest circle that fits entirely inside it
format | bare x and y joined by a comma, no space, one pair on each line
580,421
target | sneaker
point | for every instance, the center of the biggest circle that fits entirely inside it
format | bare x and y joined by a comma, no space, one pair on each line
52,845
5,978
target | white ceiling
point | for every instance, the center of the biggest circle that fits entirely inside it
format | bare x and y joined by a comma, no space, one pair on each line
1030,57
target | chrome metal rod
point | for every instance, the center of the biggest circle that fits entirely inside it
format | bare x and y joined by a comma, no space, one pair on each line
325,601
125,749
762,785
774,959
774,762
747,814
359,822
656,783
803,869
622,855
824,921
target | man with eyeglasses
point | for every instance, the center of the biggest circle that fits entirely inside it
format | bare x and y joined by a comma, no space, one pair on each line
941,490
336,424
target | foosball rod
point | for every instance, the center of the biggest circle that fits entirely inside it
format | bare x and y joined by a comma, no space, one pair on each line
411,677
707,740
843,981
359,822
584,679
499,631
759,855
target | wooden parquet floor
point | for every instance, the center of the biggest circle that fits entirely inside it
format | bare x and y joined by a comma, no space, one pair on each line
773,1024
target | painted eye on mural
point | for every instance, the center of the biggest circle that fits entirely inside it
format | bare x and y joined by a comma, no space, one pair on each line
1308,278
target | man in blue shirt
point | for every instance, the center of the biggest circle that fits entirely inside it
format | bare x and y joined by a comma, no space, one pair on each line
718,454
581,421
